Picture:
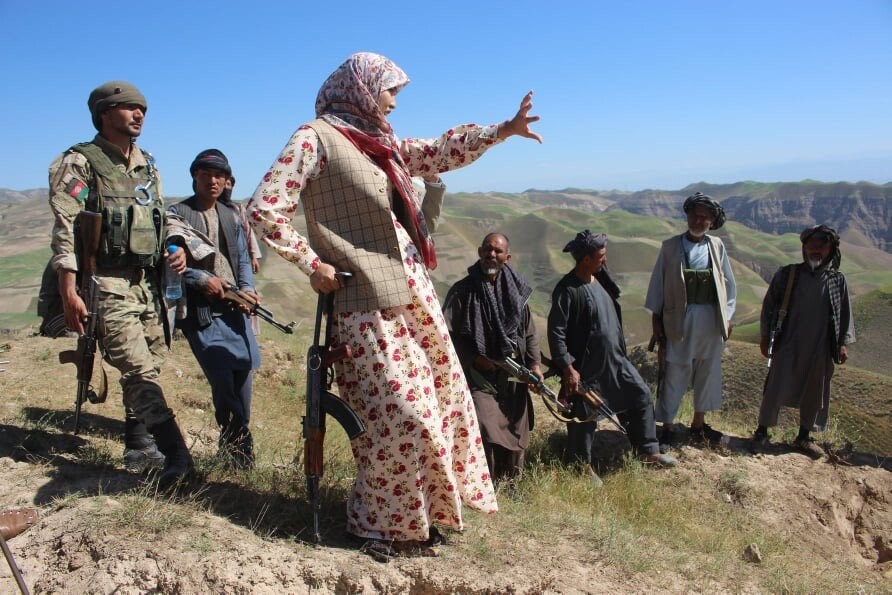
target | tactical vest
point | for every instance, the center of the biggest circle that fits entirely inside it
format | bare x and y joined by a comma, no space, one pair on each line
131,230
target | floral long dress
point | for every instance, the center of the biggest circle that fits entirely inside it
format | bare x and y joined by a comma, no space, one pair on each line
422,455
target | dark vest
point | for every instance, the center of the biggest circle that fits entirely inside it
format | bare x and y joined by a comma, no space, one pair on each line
131,232
199,309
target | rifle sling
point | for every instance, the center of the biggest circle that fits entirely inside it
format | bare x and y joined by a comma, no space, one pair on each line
788,292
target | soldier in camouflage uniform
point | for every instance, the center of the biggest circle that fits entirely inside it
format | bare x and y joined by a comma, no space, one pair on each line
112,176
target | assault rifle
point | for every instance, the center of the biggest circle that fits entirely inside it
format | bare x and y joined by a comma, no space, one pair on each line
558,409
239,297
320,402
87,228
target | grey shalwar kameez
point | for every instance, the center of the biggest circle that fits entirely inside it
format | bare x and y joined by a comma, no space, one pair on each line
802,363
585,330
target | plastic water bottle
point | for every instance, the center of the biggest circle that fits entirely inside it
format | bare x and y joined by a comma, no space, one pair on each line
173,282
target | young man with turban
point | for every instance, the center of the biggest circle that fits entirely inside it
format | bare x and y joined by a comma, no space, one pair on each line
585,334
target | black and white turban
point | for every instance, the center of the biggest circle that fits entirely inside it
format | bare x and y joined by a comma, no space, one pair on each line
698,198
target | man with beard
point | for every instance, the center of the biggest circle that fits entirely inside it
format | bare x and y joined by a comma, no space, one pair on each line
812,300
112,176
585,335
219,334
489,319
692,295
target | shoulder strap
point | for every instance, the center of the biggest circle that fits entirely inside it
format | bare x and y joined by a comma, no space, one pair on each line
788,291
97,158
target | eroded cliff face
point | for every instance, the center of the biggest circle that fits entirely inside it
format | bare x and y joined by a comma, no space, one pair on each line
861,212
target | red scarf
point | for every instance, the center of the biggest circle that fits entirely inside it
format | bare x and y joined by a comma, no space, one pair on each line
389,160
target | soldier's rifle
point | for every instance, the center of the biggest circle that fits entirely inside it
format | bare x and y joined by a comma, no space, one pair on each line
321,402
250,303
559,410
88,229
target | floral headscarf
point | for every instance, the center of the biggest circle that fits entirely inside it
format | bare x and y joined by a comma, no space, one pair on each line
349,96
348,100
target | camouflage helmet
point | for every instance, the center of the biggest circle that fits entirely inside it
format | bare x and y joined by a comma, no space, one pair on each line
110,94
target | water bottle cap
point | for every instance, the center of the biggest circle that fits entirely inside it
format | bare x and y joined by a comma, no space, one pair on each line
171,249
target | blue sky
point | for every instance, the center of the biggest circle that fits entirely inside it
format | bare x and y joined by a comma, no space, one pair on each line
632,95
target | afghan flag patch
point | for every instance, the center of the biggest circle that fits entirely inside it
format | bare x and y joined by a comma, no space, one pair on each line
77,190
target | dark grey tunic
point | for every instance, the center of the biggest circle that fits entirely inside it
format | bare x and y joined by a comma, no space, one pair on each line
504,407
585,330
802,365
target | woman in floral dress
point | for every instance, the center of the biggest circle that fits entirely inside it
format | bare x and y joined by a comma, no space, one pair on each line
422,455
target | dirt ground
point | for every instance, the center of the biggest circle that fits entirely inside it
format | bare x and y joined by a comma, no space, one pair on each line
93,538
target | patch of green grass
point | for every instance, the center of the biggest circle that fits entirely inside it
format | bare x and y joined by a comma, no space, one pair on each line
23,267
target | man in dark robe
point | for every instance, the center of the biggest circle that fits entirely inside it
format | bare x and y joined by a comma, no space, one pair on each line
813,334
489,320
585,335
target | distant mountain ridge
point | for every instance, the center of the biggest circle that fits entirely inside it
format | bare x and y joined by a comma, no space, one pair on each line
860,211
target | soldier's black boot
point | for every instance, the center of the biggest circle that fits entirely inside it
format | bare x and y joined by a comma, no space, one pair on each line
177,460
140,451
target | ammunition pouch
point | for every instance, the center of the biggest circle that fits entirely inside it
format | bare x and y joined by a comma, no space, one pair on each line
131,237
700,286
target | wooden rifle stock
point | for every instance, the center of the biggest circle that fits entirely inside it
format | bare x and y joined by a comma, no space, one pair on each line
87,233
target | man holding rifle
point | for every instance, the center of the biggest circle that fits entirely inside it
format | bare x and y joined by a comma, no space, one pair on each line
806,340
114,182
489,320
585,335
217,328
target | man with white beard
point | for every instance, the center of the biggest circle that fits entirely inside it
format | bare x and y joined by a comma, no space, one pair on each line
816,325
692,295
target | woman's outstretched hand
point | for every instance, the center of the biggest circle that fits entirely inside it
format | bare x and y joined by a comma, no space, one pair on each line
520,123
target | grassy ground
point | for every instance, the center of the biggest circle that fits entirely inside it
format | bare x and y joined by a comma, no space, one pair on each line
676,531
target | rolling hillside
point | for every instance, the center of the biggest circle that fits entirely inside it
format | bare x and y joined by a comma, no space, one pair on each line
538,229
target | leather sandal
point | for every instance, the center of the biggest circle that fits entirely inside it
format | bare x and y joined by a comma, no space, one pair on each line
379,550
16,521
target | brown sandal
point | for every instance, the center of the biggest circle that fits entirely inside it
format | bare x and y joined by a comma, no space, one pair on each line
16,521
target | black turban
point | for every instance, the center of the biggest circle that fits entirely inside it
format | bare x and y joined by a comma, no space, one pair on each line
698,198
585,242
823,232
211,159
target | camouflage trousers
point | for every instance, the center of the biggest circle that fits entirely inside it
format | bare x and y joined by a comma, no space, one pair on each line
132,340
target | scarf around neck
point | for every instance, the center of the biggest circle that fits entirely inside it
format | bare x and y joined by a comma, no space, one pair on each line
348,100
493,316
